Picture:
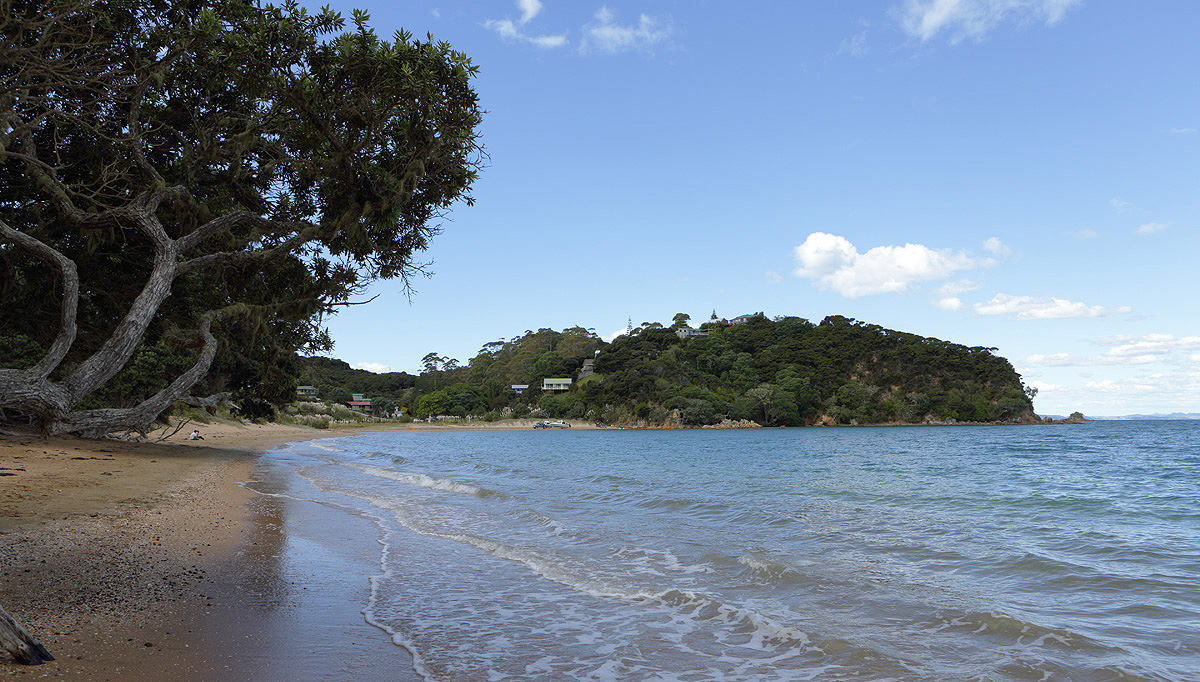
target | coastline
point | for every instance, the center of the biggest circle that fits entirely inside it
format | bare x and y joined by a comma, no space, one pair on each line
141,561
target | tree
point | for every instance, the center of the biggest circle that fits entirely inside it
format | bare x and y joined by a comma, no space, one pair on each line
242,159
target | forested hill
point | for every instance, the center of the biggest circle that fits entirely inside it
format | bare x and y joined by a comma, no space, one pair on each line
782,371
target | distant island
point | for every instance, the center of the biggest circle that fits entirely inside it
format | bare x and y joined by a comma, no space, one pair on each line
1173,416
748,371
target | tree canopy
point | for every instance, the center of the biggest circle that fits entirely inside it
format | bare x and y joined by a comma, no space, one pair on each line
785,371
182,178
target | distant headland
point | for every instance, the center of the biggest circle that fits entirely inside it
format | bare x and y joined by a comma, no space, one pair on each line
750,370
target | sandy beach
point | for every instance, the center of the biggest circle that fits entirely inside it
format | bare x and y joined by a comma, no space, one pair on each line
155,562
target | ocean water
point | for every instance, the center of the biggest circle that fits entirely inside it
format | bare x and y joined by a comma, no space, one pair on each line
938,553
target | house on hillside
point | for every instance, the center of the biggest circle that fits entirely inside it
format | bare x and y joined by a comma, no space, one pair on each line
306,391
588,369
686,333
743,319
359,404
520,388
556,385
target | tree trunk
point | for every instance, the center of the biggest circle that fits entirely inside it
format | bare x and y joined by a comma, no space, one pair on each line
19,643
51,404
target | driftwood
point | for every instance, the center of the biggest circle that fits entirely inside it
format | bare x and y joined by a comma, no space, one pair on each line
19,643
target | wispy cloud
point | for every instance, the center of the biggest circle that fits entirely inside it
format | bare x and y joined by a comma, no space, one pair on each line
1129,350
1151,228
1183,385
947,294
834,263
855,46
529,9
1151,344
375,367
960,19
605,35
994,246
1082,235
1120,204
1183,131
1032,308
514,32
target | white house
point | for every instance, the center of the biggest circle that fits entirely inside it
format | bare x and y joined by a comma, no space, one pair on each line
520,388
556,385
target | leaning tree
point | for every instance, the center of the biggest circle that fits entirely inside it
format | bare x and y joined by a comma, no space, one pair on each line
182,178
178,178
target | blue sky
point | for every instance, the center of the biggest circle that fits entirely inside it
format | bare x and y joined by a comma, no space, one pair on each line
1011,173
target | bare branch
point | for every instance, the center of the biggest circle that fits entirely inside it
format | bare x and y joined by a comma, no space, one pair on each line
178,427
70,299
350,303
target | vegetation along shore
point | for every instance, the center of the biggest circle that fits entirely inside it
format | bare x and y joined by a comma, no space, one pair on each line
785,371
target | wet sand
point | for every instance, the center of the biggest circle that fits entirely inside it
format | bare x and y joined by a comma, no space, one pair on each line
154,562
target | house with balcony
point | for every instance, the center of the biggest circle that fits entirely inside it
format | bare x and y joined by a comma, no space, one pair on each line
358,403
556,385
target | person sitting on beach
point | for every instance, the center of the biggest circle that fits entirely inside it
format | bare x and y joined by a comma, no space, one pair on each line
195,435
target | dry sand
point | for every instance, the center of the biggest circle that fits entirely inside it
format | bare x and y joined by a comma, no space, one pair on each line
152,562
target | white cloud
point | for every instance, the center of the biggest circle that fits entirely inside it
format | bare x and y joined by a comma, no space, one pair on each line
1120,204
774,277
1068,360
1045,387
1106,385
948,294
1053,360
835,264
604,35
1082,235
855,46
1129,350
956,287
925,19
529,9
513,32
375,367
620,332
994,246
1150,384
1183,131
950,303
1031,308
1151,228
1150,344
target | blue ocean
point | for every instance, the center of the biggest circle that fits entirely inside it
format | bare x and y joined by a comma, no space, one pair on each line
1066,552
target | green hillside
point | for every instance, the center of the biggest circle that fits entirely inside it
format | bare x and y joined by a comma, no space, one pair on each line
785,371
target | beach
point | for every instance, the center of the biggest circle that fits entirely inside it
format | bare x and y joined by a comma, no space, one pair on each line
143,561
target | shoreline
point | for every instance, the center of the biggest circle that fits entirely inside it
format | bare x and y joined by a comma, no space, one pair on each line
187,560
142,561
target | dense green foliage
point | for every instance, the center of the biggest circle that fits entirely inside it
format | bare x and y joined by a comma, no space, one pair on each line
220,173
785,371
